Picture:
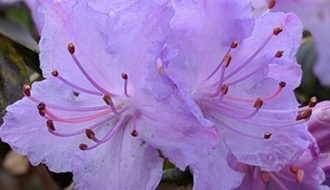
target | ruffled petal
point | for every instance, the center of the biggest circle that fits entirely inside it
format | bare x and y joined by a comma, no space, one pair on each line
26,131
223,176
124,162
175,132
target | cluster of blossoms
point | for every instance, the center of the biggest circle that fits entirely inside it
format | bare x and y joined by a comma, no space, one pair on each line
202,82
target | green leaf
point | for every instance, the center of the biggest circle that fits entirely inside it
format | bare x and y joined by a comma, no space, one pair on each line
13,75
18,34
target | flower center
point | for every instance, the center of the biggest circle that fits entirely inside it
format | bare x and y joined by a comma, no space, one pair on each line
220,102
99,115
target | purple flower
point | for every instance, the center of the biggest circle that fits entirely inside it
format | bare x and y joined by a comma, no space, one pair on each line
241,82
315,16
102,95
319,127
310,171
304,173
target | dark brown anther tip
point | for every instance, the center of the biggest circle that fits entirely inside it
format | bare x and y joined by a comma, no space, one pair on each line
224,89
83,146
282,84
54,72
227,59
279,54
271,4
90,134
50,125
134,133
107,99
265,177
293,169
312,102
277,30
258,103
234,44
41,106
124,76
27,90
71,48
42,113
267,135
304,115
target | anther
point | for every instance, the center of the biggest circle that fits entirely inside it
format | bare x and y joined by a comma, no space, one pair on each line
224,89
271,4
71,48
89,133
234,44
312,102
124,76
300,175
258,103
227,60
293,169
50,125
54,72
277,31
134,133
279,54
27,90
282,84
267,135
107,99
304,115
265,177
41,106
83,146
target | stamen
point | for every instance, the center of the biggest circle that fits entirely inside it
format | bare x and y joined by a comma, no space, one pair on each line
125,77
234,44
50,125
277,30
83,146
226,58
134,132
82,131
106,137
279,54
71,49
70,84
267,98
258,103
304,115
312,102
250,58
108,100
271,4
267,135
75,120
300,175
89,133
265,177
67,108
27,90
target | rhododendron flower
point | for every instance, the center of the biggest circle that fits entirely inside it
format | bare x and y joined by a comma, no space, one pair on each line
315,16
305,173
319,127
310,171
243,84
96,112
